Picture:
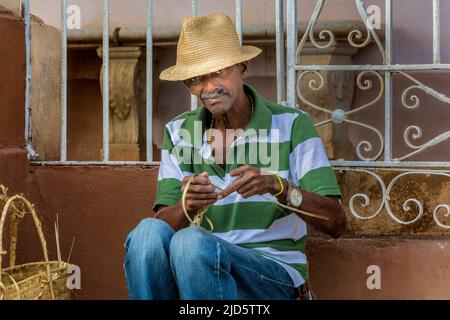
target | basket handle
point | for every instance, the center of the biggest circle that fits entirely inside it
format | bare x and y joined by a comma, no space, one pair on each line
40,233
2,287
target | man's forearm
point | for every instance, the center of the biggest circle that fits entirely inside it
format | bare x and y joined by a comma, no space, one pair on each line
329,207
173,215
325,206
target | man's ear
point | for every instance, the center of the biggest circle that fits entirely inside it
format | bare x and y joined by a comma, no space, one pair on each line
244,69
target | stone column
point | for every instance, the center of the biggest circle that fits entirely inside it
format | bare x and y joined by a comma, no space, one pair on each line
126,96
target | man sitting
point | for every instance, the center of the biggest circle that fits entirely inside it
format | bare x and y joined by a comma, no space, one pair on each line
256,247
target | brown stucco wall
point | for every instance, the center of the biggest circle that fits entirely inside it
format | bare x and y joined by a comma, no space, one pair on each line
409,268
12,80
13,162
99,206
13,159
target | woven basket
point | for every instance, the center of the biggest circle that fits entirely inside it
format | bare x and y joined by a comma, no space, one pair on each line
30,281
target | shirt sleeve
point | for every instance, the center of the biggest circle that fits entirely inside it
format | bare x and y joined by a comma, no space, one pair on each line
170,175
309,166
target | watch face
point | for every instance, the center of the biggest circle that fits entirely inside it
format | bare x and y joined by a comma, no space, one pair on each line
296,197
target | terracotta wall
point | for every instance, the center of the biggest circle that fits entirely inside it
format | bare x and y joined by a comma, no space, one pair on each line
12,100
13,159
97,206
409,268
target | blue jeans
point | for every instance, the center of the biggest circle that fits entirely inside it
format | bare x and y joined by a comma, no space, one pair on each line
194,264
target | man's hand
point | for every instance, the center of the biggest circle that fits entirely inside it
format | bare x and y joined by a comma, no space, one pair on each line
200,193
250,182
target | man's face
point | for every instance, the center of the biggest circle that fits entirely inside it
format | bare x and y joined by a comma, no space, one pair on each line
218,91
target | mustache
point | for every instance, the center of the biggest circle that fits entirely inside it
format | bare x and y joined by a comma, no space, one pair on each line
217,93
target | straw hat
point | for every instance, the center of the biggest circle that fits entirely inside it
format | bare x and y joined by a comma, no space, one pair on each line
207,44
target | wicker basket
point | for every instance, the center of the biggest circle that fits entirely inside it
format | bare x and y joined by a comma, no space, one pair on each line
30,281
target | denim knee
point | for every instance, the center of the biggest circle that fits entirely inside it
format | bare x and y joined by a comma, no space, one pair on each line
189,244
149,235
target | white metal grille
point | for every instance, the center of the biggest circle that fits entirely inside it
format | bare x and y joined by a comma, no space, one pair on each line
289,74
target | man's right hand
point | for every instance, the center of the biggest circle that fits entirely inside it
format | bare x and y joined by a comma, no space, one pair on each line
201,192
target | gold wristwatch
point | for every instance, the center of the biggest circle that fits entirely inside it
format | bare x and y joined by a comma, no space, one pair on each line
294,196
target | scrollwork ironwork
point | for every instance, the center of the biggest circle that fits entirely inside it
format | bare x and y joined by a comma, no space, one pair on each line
339,115
418,131
386,198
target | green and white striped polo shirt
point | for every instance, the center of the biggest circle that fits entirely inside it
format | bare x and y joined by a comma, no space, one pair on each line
295,151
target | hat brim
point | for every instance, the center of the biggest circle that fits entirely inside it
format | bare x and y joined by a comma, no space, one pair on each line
182,72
